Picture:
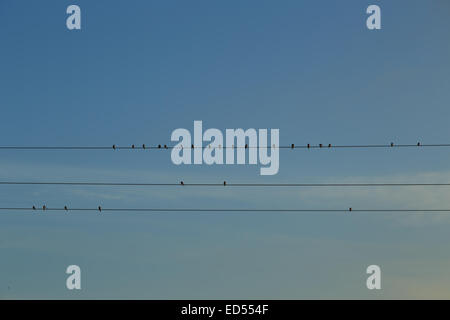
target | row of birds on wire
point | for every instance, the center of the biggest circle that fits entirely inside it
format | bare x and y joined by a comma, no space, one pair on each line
243,146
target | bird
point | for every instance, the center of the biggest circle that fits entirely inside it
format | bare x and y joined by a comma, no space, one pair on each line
159,146
308,146
320,145
132,146
192,146
34,208
329,145
224,183
418,144
165,146
65,208
182,183
349,209
114,146
246,146
100,208
392,144
292,146
44,207
143,146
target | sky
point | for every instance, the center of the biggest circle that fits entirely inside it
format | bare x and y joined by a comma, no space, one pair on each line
137,70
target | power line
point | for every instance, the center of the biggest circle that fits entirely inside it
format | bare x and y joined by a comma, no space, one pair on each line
225,184
200,210
167,147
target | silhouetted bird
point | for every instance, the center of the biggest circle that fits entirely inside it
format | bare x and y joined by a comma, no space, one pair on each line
143,146
224,183
114,146
44,207
132,146
159,146
182,183
34,208
392,144
308,146
292,146
65,208
100,208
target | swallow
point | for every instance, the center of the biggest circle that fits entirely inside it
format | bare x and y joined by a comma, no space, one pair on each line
224,183
114,146
182,183
292,146
65,208
100,208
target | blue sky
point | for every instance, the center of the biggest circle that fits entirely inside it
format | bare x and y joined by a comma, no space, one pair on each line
140,69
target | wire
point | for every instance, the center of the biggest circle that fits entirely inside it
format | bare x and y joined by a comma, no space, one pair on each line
163,147
226,184
199,210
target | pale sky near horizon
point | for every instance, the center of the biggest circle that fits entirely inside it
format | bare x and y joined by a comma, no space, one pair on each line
140,69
